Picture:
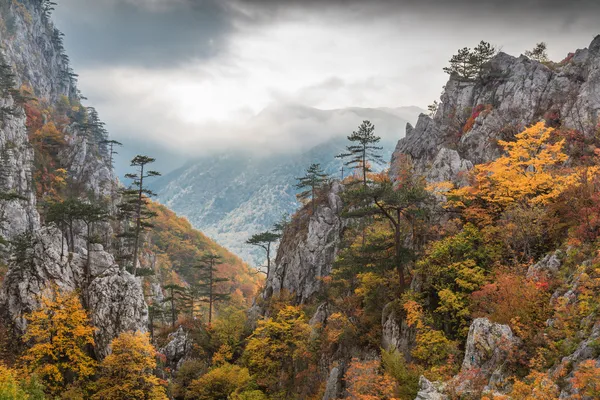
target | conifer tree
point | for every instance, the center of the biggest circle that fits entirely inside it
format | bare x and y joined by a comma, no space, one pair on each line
265,240
111,150
174,299
135,204
314,178
363,150
208,281
467,63
90,214
538,53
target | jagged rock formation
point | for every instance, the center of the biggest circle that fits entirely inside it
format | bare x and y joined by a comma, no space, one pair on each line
306,253
489,346
512,93
429,390
32,47
396,332
546,267
177,349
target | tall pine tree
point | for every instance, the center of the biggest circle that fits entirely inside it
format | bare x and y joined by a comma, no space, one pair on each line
208,281
314,178
264,240
135,204
363,149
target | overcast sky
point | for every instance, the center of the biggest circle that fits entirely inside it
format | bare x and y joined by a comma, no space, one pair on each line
187,76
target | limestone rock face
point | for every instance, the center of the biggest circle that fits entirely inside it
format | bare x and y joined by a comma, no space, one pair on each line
117,305
177,349
333,387
547,266
32,47
396,332
512,93
115,298
489,346
429,390
307,254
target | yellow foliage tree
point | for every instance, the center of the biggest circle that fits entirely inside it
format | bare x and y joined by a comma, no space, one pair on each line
59,332
126,374
219,383
278,348
528,173
9,385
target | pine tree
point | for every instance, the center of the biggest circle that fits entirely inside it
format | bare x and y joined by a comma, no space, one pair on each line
363,149
538,53
174,299
111,150
467,64
135,204
90,215
264,240
208,281
314,178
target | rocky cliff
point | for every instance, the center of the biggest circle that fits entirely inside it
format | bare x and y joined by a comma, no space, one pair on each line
34,62
308,249
512,92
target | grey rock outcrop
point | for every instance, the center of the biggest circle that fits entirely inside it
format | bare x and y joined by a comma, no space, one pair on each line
512,93
396,334
177,349
547,266
487,351
117,303
306,255
429,390
333,388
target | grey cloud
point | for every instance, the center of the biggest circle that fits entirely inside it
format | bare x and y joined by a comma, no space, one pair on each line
147,33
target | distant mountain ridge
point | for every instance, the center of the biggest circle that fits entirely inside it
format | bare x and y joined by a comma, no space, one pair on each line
234,194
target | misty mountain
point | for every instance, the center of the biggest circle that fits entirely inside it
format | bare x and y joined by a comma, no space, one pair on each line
234,194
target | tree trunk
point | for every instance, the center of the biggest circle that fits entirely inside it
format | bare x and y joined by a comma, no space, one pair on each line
138,221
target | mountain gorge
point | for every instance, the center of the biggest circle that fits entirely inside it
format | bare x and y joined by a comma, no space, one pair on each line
466,267
231,196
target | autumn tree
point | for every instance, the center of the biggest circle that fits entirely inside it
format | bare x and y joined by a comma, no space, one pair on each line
208,281
127,373
58,334
277,347
538,53
309,183
264,240
363,149
135,204
366,380
526,174
221,382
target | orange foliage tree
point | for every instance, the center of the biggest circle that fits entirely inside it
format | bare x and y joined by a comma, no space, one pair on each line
59,332
528,173
127,372
366,381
